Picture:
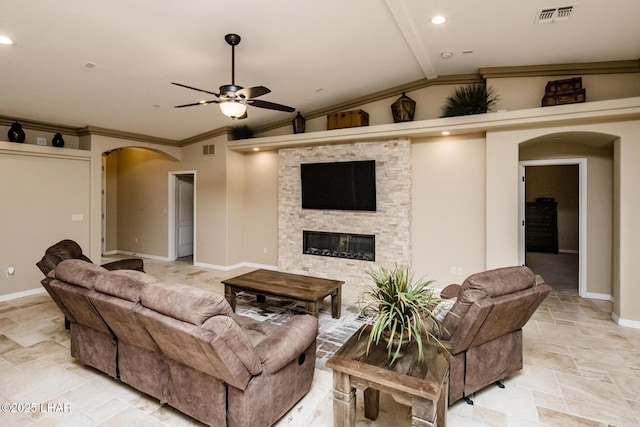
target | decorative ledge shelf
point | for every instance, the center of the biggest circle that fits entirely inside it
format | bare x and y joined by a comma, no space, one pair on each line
587,112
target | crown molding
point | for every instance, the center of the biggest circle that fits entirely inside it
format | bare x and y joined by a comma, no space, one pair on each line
226,130
608,67
94,130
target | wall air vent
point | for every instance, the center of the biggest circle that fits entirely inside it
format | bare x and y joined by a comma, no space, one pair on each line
554,14
208,149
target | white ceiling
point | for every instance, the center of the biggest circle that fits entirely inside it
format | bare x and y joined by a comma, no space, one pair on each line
311,54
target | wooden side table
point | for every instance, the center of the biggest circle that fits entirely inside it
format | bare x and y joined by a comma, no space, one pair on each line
422,385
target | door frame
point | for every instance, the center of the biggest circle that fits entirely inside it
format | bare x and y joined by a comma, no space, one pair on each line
172,217
582,214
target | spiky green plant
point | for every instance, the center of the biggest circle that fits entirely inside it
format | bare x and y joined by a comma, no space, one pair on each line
400,305
469,99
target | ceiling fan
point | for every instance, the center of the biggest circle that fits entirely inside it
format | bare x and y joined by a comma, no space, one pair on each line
234,99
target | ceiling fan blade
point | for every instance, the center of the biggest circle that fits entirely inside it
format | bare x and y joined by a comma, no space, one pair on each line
215,101
253,92
270,105
195,88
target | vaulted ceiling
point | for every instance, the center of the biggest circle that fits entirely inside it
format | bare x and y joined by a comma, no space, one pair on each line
110,64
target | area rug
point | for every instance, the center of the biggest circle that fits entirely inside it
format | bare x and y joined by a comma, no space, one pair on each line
332,333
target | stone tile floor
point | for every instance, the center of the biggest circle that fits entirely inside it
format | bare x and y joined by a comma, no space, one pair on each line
580,369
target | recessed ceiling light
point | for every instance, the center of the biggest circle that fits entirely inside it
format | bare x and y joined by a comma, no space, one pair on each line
438,20
446,55
445,133
256,149
5,40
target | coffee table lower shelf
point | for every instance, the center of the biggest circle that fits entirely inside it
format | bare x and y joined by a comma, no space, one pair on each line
422,385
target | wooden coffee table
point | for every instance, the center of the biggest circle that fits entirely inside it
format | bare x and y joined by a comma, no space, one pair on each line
305,289
422,385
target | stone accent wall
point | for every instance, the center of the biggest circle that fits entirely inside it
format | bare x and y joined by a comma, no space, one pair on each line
391,223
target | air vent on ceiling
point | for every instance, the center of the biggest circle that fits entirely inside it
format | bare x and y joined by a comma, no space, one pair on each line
554,14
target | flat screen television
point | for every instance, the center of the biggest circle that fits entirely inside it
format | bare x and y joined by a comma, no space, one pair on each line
339,185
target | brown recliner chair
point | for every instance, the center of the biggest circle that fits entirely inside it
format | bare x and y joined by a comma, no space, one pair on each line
69,249
483,328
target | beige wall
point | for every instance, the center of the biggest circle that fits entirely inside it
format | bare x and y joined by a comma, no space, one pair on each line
235,190
448,218
41,189
142,200
260,236
111,208
517,93
626,301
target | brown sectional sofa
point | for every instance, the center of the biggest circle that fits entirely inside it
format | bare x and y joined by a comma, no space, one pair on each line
184,345
483,328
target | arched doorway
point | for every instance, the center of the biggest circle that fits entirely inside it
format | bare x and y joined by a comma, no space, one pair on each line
134,215
592,154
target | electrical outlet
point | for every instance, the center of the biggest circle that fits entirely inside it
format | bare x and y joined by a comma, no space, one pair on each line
41,141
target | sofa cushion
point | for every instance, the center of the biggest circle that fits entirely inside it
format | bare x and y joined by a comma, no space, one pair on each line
184,303
125,284
79,273
236,339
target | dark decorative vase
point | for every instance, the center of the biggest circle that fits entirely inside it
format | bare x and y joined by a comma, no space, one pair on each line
57,140
403,109
16,134
299,123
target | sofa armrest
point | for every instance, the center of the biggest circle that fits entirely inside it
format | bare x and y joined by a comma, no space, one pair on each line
450,291
125,264
287,342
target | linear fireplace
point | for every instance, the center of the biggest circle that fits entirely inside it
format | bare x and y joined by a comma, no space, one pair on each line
339,245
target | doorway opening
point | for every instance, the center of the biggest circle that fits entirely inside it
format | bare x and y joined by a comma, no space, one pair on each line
553,222
182,215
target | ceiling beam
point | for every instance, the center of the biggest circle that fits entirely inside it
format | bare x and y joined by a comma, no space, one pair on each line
400,14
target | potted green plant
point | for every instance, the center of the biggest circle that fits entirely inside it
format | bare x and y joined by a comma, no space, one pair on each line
401,306
469,99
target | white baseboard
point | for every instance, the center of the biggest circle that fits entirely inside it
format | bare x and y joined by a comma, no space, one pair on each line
625,322
235,266
594,295
139,255
22,294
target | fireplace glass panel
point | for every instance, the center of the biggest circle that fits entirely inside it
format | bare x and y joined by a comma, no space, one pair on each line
339,245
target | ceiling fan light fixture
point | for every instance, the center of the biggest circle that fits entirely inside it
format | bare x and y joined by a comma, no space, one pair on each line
233,109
